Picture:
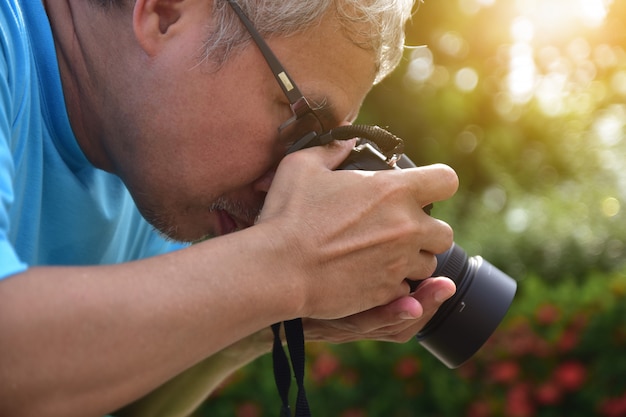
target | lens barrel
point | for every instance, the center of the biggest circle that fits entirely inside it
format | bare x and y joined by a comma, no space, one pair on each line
465,322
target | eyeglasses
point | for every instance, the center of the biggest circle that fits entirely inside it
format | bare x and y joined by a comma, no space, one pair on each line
304,119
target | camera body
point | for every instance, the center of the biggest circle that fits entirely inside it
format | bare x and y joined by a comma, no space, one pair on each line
484,293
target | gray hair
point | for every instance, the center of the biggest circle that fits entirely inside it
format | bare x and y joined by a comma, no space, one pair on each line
374,25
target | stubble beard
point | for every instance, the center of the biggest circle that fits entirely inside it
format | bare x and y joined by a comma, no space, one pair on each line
166,226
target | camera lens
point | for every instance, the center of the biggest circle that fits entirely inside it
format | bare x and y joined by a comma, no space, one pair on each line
465,322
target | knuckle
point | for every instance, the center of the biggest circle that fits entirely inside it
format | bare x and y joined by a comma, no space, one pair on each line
424,266
383,185
398,268
442,237
447,234
296,159
448,175
402,337
430,265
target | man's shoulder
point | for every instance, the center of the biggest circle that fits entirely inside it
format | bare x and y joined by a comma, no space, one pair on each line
13,31
13,37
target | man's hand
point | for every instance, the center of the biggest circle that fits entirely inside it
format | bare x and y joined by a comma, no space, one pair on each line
398,321
354,236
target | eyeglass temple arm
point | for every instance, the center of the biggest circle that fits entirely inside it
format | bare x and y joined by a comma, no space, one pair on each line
284,80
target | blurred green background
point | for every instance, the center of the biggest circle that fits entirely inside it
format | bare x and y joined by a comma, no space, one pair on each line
526,100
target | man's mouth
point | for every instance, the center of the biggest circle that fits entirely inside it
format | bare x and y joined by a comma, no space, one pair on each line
232,216
227,224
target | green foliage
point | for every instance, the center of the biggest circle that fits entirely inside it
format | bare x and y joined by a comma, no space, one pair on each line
542,186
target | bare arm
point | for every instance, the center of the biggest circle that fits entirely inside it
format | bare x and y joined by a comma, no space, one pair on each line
83,341
180,396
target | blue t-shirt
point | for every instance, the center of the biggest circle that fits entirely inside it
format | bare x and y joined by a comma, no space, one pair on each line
55,207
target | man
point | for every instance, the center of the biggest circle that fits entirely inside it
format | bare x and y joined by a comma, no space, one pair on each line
164,108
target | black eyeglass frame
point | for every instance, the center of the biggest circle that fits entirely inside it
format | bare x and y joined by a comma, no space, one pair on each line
299,104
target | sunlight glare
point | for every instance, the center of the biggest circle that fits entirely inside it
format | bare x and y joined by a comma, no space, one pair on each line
550,74
553,17
618,83
471,7
550,93
593,12
521,79
609,125
605,56
522,29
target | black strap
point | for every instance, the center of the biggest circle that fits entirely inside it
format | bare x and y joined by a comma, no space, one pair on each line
282,372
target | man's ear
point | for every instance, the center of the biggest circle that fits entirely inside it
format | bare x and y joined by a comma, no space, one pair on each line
154,21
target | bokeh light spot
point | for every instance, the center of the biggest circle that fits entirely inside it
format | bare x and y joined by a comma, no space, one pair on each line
610,207
466,79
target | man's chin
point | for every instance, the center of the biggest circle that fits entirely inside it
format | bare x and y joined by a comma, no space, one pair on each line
212,223
218,224
185,234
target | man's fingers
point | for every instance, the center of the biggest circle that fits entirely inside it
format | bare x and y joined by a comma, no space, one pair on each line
331,155
433,292
432,183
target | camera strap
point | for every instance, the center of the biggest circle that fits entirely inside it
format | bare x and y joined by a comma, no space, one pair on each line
387,143
282,371
392,148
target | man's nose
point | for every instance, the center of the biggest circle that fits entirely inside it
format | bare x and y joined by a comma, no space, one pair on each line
265,181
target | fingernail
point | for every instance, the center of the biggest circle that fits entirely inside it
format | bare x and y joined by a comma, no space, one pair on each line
405,315
443,295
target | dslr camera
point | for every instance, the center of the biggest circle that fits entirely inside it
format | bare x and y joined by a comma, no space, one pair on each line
484,293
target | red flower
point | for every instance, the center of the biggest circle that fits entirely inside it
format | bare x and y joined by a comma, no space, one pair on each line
504,372
468,370
354,412
570,375
548,393
248,409
614,407
521,339
479,408
568,341
407,367
579,321
547,314
349,377
519,402
324,366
